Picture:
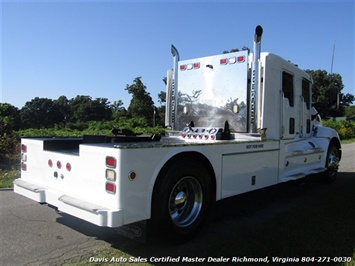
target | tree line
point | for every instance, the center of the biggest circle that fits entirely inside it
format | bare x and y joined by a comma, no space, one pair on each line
76,113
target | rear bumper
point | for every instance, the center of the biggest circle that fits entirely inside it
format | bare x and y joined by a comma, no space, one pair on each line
85,210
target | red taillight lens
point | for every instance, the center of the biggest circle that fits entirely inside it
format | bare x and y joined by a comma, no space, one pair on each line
50,163
223,61
24,166
240,59
196,65
68,167
111,188
183,67
59,164
23,148
111,161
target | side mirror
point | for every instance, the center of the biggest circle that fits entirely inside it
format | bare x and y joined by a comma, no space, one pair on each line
333,97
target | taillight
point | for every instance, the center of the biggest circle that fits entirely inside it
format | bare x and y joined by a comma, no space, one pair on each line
232,60
50,163
111,188
23,157
110,174
223,61
241,59
111,161
23,148
59,164
190,66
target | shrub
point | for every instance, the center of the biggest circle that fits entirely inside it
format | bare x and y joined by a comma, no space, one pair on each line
9,143
345,128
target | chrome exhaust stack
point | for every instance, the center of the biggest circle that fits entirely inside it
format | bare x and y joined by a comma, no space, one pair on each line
254,97
171,91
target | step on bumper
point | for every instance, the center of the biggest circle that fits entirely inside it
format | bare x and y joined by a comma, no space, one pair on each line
90,212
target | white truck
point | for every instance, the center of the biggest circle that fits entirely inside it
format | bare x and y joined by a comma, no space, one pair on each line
239,122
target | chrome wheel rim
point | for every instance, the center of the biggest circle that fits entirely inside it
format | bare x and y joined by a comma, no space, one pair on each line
185,201
333,163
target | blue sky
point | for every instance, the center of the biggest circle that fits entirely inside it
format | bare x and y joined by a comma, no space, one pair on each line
96,48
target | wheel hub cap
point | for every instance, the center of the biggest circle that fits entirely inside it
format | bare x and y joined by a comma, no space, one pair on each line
185,201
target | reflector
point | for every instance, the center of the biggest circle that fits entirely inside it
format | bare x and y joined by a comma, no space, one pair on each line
68,167
132,175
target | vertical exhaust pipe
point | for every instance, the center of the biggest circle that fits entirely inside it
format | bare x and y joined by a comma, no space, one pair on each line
171,90
253,103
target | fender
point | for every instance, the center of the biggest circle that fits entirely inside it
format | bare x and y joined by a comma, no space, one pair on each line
329,134
171,155
325,132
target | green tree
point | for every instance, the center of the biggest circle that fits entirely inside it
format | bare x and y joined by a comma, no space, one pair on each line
9,121
9,118
350,111
80,109
323,82
38,113
231,51
118,110
84,109
62,109
244,48
160,111
141,104
117,106
162,94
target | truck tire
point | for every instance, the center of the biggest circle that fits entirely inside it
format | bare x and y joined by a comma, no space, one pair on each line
181,199
332,163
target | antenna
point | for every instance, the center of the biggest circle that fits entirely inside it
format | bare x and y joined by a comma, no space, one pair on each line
331,67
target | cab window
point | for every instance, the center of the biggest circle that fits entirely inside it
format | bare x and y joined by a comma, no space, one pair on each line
306,88
287,87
